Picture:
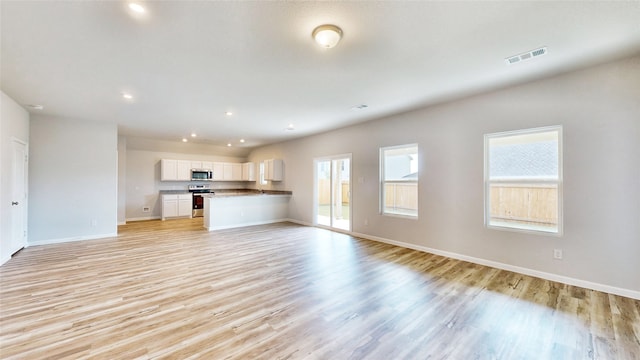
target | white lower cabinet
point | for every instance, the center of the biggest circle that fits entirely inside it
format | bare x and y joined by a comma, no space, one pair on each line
176,205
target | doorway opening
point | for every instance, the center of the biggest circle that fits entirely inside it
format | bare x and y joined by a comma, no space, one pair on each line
333,192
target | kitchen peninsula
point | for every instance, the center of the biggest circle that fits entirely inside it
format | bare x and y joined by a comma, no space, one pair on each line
225,210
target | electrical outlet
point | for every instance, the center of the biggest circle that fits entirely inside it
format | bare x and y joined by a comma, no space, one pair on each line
366,222
146,209
557,254
94,222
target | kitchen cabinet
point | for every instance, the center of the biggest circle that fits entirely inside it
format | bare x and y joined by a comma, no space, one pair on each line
184,170
218,171
175,170
176,205
180,170
232,172
273,169
248,171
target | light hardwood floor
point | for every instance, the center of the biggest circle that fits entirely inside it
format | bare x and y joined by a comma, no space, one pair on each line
282,291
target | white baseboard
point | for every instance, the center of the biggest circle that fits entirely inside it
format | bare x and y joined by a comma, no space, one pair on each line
70,239
144,218
4,259
212,228
633,294
517,269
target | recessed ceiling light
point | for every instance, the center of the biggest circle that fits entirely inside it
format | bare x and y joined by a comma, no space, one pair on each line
193,135
228,113
242,141
35,106
228,144
127,96
290,127
327,36
137,8
184,140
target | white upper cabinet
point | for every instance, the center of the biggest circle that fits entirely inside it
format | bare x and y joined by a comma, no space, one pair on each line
218,171
232,172
175,170
168,170
273,169
180,170
248,171
184,170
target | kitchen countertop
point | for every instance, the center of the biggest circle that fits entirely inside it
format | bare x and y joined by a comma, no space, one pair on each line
230,192
247,192
174,192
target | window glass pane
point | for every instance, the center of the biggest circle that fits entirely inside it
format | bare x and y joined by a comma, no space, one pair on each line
401,163
523,180
531,156
400,180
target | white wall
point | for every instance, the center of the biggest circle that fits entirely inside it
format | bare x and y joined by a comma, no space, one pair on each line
599,109
122,179
14,123
143,180
72,180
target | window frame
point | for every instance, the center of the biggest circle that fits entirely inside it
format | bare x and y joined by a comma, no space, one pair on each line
517,181
261,180
382,182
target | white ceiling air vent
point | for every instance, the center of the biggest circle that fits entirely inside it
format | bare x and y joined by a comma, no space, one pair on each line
526,56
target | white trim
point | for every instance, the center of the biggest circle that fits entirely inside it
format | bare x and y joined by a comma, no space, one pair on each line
233,226
331,159
70,239
4,260
559,182
143,218
382,181
633,294
122,223
517,269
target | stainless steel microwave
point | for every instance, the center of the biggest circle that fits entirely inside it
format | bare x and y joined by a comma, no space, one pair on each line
201,175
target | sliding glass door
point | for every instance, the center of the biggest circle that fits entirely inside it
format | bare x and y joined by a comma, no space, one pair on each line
333,192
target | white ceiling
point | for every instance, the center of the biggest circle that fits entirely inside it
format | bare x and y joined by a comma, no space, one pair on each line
187,62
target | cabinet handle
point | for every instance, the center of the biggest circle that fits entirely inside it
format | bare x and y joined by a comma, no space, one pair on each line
13,203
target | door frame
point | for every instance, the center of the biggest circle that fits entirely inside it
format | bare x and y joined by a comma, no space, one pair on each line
331,158
25,208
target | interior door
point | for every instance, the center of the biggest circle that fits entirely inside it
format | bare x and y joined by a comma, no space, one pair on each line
18,237
333,192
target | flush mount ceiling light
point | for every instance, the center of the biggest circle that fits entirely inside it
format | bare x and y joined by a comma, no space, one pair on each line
137,8
127,96
327,35
35,106
228,113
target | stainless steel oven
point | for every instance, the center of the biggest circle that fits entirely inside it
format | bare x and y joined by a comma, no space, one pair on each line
198,192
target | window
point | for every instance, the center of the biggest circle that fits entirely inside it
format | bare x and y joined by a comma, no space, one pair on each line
523,179
399,180
261,179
